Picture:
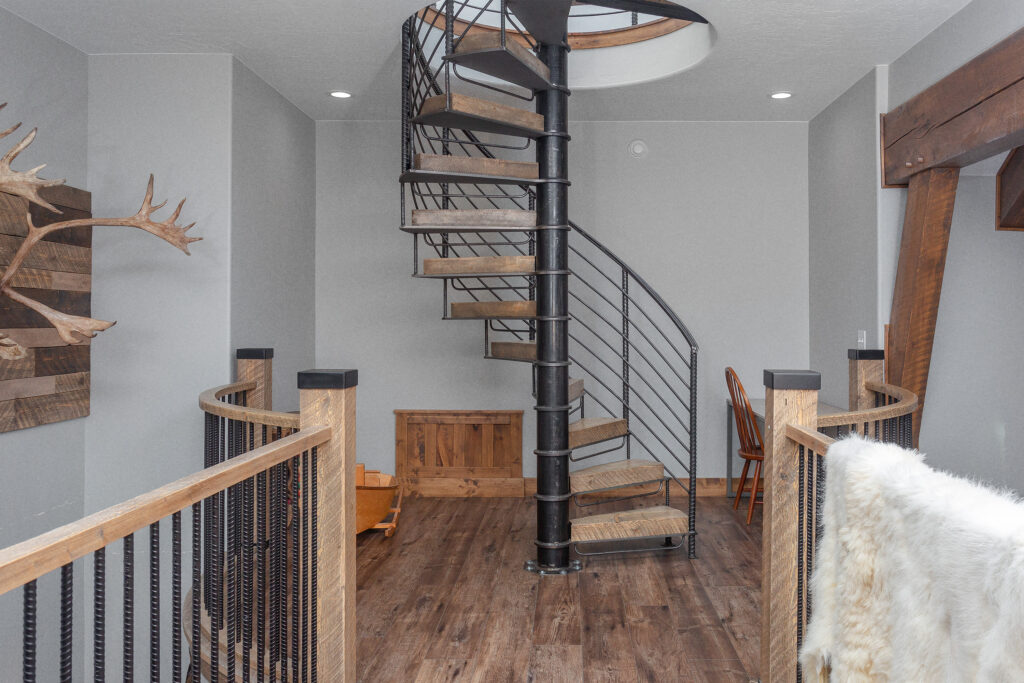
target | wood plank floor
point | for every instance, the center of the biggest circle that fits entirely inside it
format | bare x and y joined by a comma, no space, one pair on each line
447,599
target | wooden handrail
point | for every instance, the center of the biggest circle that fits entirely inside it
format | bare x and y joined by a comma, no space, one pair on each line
809,438
906,403
210,402
28,560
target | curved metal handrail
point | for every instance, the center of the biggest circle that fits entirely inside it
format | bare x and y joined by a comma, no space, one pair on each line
210,402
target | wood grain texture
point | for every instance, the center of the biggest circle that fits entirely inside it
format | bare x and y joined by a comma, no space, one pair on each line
492,218
336,517
53,380
479,265
522,351
31,559
591,430
672,620
459,453
484,310
527,170
209,401
971,114
484,109
657,520
918,287
615,474
861,372
779,549
1010,192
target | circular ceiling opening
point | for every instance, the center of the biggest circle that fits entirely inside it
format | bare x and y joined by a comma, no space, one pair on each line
610,47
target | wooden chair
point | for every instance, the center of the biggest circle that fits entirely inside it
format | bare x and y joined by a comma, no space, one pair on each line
751,444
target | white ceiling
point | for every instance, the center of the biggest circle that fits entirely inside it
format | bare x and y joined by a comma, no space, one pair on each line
305,48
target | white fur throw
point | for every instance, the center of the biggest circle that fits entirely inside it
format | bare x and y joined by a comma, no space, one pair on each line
919,576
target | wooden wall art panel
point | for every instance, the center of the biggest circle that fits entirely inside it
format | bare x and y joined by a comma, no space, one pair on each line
460,453
45,285
50,383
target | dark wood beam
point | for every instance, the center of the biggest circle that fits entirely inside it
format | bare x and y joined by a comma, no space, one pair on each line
1010,192
922,262
970,115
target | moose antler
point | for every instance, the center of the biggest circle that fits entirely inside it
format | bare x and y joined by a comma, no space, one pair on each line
68,326
26,184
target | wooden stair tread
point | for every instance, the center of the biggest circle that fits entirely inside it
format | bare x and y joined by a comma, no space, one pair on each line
514,63
575,389
440,168
659,520
496,218
514,350
615,474
483,310
474,113
591,430
479,265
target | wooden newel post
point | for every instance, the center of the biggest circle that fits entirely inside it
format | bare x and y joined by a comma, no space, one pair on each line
791,397
256,365
328,397
866,365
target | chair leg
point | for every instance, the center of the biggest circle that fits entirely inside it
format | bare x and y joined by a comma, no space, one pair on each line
743,481
753,492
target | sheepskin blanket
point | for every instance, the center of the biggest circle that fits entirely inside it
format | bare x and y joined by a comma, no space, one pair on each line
919,575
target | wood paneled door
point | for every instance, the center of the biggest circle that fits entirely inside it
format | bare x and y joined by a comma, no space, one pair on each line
460,452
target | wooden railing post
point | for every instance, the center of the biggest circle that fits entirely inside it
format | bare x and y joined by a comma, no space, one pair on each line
791,397
866,365
328,397
256,365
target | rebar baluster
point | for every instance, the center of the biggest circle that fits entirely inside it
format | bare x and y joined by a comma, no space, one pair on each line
314,497
247,551
154,601
28,632
275,573
67,598
294,529
99,609
304,524
176,597
216,586
261,572
128,624
231,561
195,664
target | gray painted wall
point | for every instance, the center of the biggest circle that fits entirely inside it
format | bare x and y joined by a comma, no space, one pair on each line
273,223
44,82
715,218
842,164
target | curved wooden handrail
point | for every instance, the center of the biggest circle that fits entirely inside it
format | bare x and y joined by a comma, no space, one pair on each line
37,556
210,402
906,403
808,438
577,40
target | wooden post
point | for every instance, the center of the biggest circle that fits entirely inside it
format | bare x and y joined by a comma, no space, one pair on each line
256,365
791,397
866,365
328,397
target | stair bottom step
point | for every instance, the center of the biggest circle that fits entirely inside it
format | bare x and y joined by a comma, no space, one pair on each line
632,524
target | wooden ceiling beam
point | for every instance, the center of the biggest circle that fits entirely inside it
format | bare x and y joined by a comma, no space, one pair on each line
1010,192
922,262
970,115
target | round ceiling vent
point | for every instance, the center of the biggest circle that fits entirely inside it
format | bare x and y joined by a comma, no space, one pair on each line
637,149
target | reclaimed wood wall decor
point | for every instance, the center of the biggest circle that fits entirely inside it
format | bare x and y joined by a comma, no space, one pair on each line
45,285
51,382
460,453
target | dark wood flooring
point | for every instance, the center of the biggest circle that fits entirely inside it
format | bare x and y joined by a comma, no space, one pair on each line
447,599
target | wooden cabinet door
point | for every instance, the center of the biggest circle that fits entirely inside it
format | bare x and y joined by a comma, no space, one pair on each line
460,452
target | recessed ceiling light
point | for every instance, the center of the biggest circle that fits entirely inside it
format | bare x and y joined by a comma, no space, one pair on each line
781,95
342,95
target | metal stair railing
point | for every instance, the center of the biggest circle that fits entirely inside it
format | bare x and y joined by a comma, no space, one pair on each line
636,356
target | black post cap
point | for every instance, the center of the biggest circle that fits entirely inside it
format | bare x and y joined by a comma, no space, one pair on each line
328,379
792,379
254,354
866,354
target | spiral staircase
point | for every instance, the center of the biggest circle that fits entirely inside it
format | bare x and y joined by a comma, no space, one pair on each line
485,197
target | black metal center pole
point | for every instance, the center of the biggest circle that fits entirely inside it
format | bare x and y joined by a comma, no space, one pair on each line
552,364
